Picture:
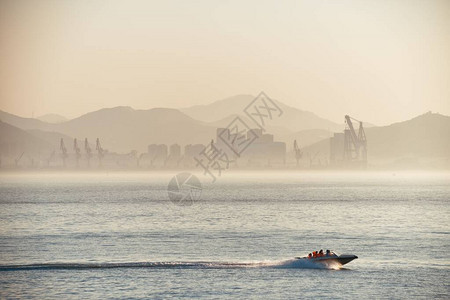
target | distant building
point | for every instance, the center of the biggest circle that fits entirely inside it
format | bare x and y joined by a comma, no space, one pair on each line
273,151
261,151
152,150
162,152
264,151
175,151
157,153
337,148
257,131
265,138
193,150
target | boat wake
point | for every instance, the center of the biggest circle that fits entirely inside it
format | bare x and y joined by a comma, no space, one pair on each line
290,263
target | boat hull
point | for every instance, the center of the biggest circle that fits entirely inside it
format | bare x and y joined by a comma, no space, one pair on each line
341,259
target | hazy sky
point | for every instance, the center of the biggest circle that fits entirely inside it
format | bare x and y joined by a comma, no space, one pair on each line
380,61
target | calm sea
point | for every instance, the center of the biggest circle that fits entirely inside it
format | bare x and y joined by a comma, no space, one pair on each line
116,235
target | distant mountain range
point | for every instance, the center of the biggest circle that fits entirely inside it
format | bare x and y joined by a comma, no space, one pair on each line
24,123
52,118
292,120
14,141
122,129
139,128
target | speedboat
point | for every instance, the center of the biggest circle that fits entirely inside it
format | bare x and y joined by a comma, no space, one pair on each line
330,257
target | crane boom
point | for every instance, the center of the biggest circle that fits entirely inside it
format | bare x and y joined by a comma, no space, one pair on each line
355,145
352,131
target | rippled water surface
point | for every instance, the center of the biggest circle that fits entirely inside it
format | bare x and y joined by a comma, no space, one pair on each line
108,235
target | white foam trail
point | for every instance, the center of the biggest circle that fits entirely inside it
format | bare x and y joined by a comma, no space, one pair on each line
308,264
289,263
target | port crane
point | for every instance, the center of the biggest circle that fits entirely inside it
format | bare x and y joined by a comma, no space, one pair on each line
17,160
77,150
63,149
298,152
88,150
355,144
100,152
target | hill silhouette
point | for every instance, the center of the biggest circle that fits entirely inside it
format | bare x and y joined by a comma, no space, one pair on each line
52,118
292,120
122,129
14,141
421,140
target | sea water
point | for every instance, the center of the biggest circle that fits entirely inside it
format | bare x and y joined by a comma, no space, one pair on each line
117,235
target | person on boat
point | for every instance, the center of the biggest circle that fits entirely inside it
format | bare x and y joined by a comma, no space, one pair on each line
328,252
321,252
310,255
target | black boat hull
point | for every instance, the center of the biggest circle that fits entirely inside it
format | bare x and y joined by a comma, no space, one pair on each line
341,259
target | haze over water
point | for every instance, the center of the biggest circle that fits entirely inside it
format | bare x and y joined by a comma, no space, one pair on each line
103,235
